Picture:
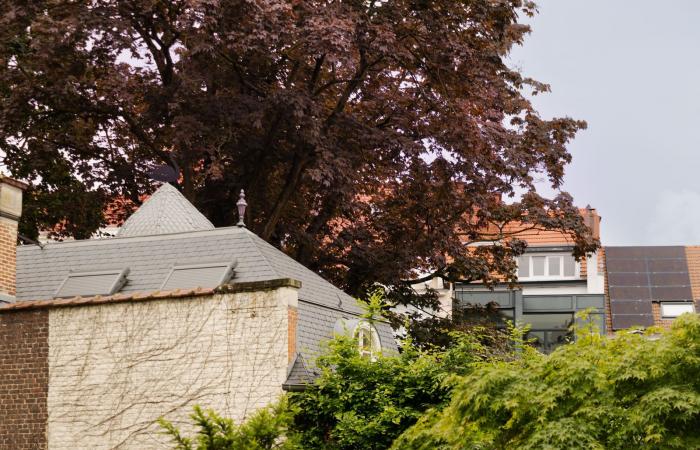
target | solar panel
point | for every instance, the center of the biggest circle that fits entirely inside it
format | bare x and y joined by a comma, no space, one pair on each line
637,276
85,284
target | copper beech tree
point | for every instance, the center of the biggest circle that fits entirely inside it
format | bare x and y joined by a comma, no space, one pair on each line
373,138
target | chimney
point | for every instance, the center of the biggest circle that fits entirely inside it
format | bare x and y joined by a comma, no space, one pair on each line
592,221
10,212
594,277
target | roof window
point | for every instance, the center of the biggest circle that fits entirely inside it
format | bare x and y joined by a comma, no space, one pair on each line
208,275
367,340
85,284
673,310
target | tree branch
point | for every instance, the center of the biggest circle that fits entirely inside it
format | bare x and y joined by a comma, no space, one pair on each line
290,185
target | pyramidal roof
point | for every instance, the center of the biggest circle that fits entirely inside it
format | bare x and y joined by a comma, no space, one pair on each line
166,211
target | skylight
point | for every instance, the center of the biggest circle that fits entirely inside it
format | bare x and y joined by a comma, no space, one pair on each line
86,284
208,275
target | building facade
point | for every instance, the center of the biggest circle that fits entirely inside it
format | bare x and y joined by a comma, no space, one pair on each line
103,337
552,287
620,287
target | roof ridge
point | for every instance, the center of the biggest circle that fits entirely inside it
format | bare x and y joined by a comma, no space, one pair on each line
165,211
258,241
159,205
249,234
118,239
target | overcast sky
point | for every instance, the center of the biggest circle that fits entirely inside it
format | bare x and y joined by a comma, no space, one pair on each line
631,69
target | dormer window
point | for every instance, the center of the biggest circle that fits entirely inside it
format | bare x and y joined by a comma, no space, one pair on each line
537,267
367,340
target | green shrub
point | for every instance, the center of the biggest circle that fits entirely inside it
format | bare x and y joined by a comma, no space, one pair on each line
266,429
633,391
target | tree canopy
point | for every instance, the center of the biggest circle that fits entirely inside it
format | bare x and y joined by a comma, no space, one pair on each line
373,138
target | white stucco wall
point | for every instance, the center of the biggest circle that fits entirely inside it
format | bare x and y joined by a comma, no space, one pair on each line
116,368
444,293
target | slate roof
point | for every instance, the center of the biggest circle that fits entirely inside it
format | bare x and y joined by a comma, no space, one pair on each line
166,211
152,245
150,259
299,374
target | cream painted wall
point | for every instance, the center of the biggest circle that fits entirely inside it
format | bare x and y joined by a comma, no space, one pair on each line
114,369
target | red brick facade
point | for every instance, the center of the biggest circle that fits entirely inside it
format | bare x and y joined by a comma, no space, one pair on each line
658,320
8,256
24,379
292,318
10,212
692,255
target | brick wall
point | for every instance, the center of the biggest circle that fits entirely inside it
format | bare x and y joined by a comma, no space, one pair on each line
292,319
10,212
608,308
116,368
658,321
24,374
8,256
692,256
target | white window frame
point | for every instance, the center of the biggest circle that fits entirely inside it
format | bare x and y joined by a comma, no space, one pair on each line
673,316
375,345
546,276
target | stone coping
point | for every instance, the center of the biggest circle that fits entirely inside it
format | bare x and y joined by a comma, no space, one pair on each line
12,182
249,286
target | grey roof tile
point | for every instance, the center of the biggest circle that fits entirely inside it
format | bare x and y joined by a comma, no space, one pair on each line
300,374
166,211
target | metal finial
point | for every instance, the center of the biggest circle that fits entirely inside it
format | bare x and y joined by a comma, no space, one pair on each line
241,204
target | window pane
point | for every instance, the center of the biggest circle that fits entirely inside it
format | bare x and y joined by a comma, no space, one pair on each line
554,321
523,266
504,316
569,266
675,310
538,266
547,341
538,339
554,266
557,338
597,319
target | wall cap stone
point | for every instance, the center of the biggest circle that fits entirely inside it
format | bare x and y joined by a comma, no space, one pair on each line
265,285
12,182
232,288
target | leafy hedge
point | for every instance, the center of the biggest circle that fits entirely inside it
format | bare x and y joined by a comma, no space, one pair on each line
636,390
